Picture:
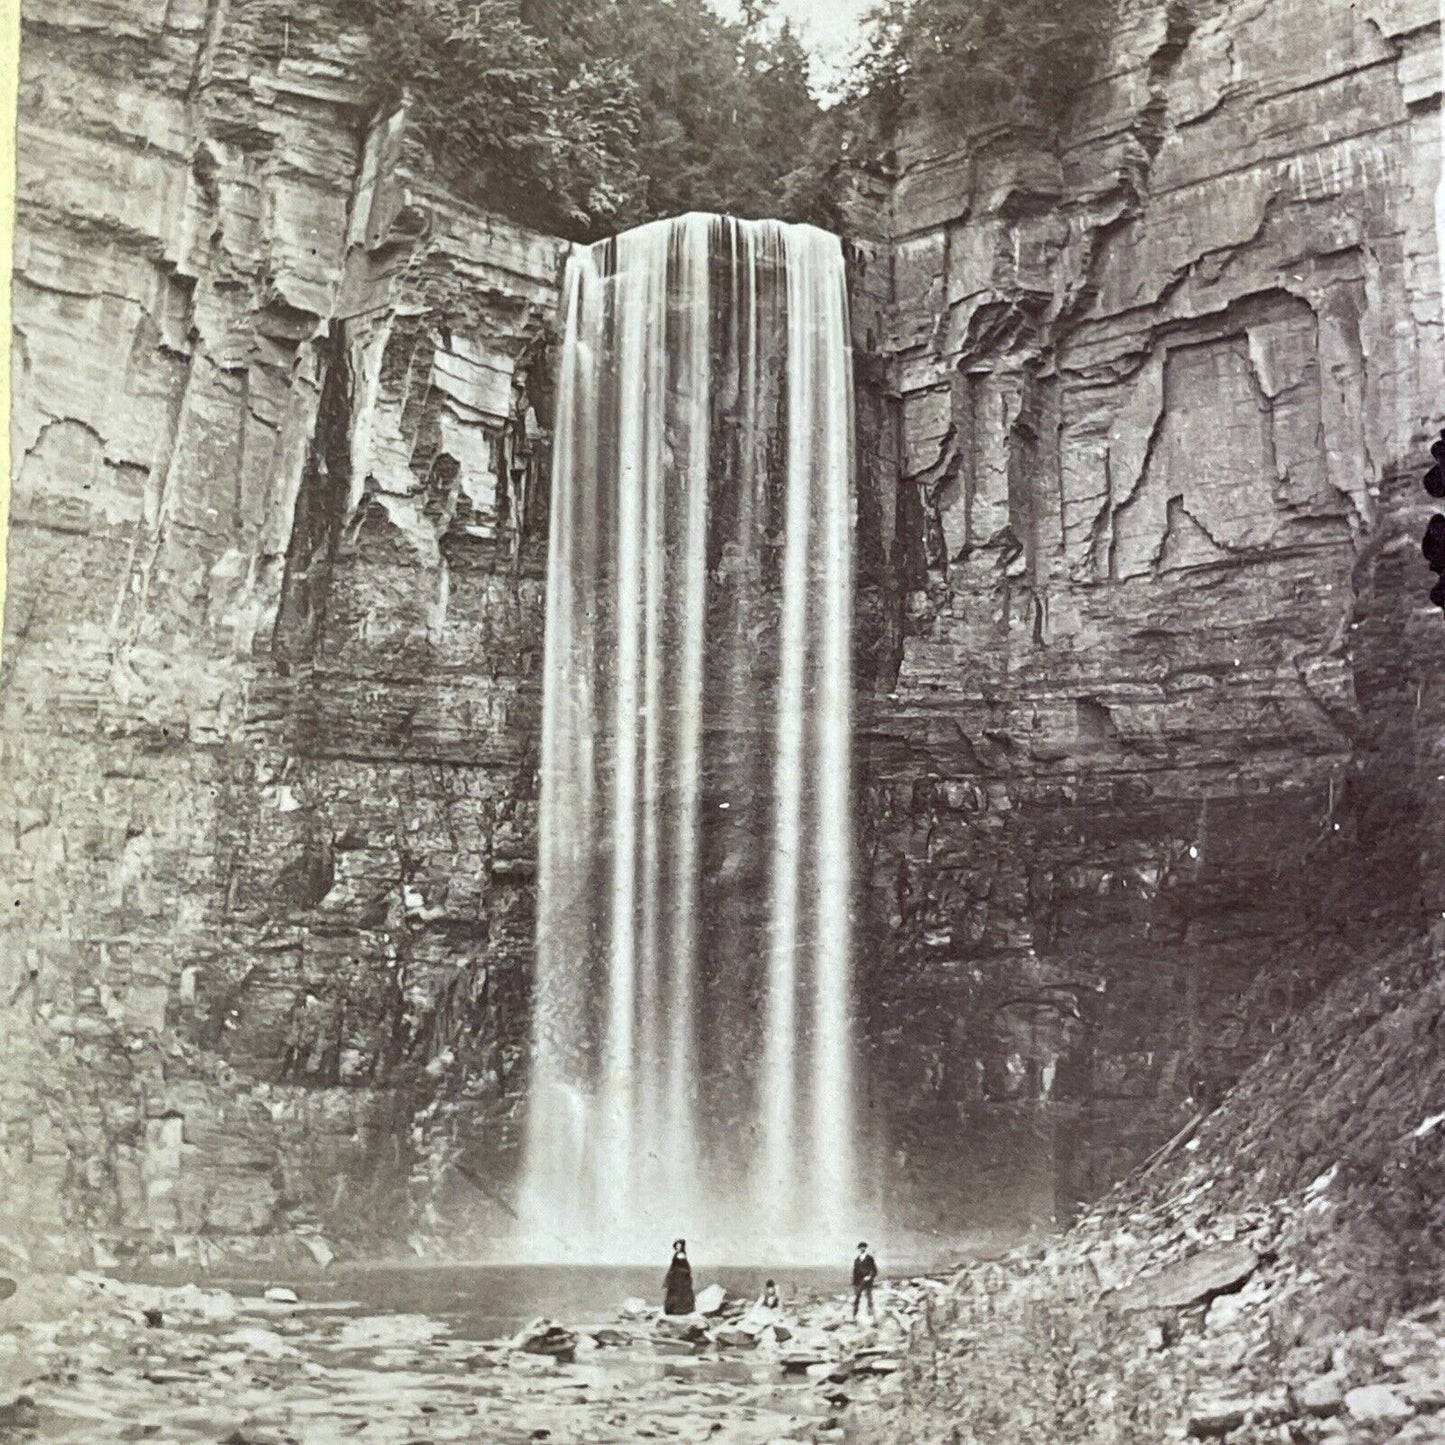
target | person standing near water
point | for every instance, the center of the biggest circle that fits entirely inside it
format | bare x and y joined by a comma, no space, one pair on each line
865,1271
677,1296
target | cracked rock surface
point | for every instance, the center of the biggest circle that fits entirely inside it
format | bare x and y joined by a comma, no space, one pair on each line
272,634
1150,724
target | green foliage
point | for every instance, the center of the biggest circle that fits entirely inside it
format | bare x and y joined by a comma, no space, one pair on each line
591,115
970,61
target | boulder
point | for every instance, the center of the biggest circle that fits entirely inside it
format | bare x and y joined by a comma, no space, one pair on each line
1212,1419
206,1304
876,1365
543,1337
1322,1396
7,1287
318,1249
609,1338
1190,1281
256,1341
18,1414
711,1300
1425,1394
799,1362
635,1308
280,1295
737,1339
690,1328
1376,1403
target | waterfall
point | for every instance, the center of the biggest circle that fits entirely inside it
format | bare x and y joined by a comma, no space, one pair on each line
692,1057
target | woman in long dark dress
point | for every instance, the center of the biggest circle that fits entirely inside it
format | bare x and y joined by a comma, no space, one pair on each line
677,1287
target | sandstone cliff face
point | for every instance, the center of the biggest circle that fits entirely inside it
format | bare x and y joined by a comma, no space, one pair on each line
1147,728
271,637
1151,706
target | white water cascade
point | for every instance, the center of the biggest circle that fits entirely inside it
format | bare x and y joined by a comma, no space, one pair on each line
692,1056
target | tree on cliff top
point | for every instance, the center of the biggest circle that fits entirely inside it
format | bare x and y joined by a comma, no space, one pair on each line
971,61
590,115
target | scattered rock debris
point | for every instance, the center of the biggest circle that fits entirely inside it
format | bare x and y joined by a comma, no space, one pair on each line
323,1375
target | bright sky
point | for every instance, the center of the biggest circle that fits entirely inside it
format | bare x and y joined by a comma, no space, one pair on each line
830,28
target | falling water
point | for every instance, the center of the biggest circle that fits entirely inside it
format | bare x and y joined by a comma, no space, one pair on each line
691,1071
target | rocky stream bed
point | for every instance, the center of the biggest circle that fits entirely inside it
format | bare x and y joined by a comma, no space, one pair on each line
90,1358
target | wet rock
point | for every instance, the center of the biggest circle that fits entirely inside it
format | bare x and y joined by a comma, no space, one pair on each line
543,1337
1371,1403
154,1319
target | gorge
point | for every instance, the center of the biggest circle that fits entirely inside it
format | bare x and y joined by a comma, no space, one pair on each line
1145,737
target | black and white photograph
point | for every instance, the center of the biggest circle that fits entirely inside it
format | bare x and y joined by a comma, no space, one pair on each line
723,721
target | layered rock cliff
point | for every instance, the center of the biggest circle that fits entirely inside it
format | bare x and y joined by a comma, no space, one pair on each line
1147,728
272,634
1149,745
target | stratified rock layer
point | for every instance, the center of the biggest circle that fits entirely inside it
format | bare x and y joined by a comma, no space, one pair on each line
1151,712
1147,741
272,634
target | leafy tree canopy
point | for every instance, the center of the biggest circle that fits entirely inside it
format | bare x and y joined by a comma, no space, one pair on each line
592,115
588,116
967,61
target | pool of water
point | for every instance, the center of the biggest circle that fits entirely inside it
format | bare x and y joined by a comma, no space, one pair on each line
482,1302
